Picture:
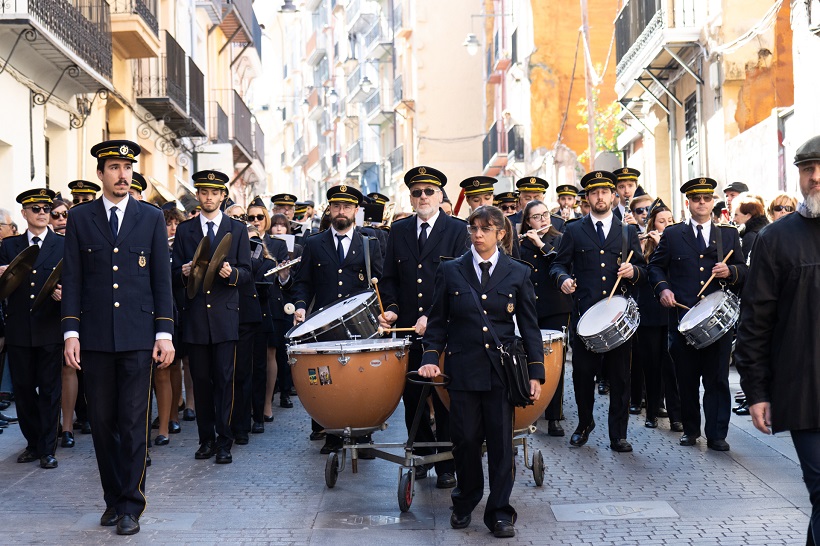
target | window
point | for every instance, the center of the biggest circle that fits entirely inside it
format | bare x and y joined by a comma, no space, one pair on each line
691,137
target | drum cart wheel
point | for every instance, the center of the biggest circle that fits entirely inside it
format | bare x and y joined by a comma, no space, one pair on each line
538,468
332,469
406,492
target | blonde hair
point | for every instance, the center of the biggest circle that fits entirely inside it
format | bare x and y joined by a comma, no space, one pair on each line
781,198
266,225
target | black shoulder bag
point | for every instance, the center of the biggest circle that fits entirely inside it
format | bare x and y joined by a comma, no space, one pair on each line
513,362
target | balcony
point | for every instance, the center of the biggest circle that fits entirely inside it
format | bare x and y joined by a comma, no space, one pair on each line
362,155
316,103
242,135
493,76
375,112
397,161
220,132
400,29
515,143
502,57
360,15
213,8
377,42
134,28
355,93
316,47
258,143
494,152
299,155
237,21
196,99
58,45
160,84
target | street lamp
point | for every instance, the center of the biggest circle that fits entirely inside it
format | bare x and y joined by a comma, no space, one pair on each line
288,7
332,97
472,44
366,85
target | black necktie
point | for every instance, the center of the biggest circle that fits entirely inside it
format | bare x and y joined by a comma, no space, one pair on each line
423,235
211,234
701,240
114,222
35,241
485,273
601,236
340,248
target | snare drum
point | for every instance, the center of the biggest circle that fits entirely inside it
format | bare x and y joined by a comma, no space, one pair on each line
609,324
709,319
349,318
350,383
554,342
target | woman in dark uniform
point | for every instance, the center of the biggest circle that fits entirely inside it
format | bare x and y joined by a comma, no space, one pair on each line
538,244
479,406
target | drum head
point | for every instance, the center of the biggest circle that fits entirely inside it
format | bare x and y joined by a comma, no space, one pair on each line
348,346
701,311
600,315
326,315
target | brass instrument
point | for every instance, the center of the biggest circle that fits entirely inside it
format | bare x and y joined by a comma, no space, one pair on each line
282,266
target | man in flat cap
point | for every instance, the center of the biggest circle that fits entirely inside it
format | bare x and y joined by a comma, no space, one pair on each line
687,255
730,192
778,349
117,319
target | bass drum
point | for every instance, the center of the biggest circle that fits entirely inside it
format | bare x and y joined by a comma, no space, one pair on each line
354,317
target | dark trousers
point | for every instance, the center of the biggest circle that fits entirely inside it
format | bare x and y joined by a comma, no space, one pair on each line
283,371
259,376
81,406
36,375
586,365
118,387
212,371
555,409
476,416
412,398
711,365
243,377
652,367
807,445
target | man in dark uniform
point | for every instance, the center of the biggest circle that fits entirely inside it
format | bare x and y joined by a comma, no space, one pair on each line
687,255
627,187
138,185
478,191
592,254
33,337
83,191
117,303
211,319
567,200
334,265
507,201
529,189
285,203
414,250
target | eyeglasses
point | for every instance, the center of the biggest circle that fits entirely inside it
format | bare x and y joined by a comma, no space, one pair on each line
240,217
36,209
486,230
542,216
507,207
780,208
702,198
641,210
62,215
429,192
257,217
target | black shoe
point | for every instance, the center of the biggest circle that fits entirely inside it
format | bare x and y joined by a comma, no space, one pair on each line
241,438
155,423
581,435
330,446
48,461
269,418
8,418
554,428
257,428
147,459
86,428
651,422
459,522
284,402
446,480
77,425
421,471
223,456
687,440
292,391
161,440
621,446
4,404
662,413
181,406
316,436
27,456
742,409
67,439
188,415
634,410
3,423
603,387
717,445
109,517
503,529
676,426
173,427
206,450
128,525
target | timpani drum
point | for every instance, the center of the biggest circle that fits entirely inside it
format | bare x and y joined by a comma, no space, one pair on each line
349,318
609,324
710,319
350,383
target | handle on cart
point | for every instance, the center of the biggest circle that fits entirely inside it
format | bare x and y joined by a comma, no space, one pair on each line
411,378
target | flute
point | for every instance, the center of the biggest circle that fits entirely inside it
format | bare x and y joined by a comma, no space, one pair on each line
280,267
537,231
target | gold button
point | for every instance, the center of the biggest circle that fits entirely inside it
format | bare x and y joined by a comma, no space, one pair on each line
484,329
485,312
208,306
536,297
510,295
486,345
340,283
254,295
34,272
208,292
418,281
421,309
116,286
602,251
89,250
604,292
535,270
338,295
419,266
340,271
456,293
116,304
701,282
702,297
32,284
603,264
115,250
535,284
603,278
701,256
483,296
115,268
419,294
701,269
32,296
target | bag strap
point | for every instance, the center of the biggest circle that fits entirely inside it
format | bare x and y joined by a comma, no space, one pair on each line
486,322
624,240
718,241
366,250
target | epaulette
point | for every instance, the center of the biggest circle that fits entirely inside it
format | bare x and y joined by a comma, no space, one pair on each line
557,217
736,228
190,220
82,203
522,262
406,218
143,201
459,219
446,258
571,220
309,235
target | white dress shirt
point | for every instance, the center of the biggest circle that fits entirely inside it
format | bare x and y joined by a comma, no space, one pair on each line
42,237
607,221
204,222
120,209
477,259
707,230
431,222
346,241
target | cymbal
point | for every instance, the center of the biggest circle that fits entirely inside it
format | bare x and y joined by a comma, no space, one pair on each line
49,286
18,271
199,265
220,252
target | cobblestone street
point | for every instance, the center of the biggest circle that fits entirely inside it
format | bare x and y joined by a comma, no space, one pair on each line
275,493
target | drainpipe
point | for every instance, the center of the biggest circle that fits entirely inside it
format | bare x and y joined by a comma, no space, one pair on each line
702,147
673,168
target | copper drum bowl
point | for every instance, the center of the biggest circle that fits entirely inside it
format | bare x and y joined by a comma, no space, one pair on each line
553,362
350,383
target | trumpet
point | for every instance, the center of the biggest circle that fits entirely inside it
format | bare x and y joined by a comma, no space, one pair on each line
283,266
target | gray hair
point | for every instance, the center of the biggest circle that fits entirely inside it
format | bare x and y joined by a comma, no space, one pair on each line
5,215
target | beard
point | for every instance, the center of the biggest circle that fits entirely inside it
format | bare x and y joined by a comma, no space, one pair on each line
812,202
341,222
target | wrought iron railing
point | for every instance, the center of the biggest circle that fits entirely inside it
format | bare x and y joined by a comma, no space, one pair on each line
242,132
220,131
631,22
372,103
146,9
259,143
515,142
196,93
354,79
397,160
354,153
398,90
163,77
490,145
352,10
398,16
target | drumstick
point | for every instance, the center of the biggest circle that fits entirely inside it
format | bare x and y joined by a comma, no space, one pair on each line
389,330
726,259
618,280
375,282
682,306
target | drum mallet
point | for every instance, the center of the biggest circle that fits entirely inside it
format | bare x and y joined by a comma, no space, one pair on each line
682,306
289,308
619,278
726,259
375,282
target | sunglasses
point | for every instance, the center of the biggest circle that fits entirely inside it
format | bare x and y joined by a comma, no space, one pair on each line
62,215
426,191
640,210
240,217
507,207
257,217
36,209
701,198
780,208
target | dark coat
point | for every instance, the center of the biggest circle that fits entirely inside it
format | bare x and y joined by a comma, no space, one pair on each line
42,327
778,349
748,233
278,249
556,221
549,299
456,324
117,294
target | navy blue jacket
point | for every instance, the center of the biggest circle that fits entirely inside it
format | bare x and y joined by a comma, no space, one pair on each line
549,299
213,317
42,327
117,294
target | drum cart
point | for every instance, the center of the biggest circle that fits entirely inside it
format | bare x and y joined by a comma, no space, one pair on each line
407,462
